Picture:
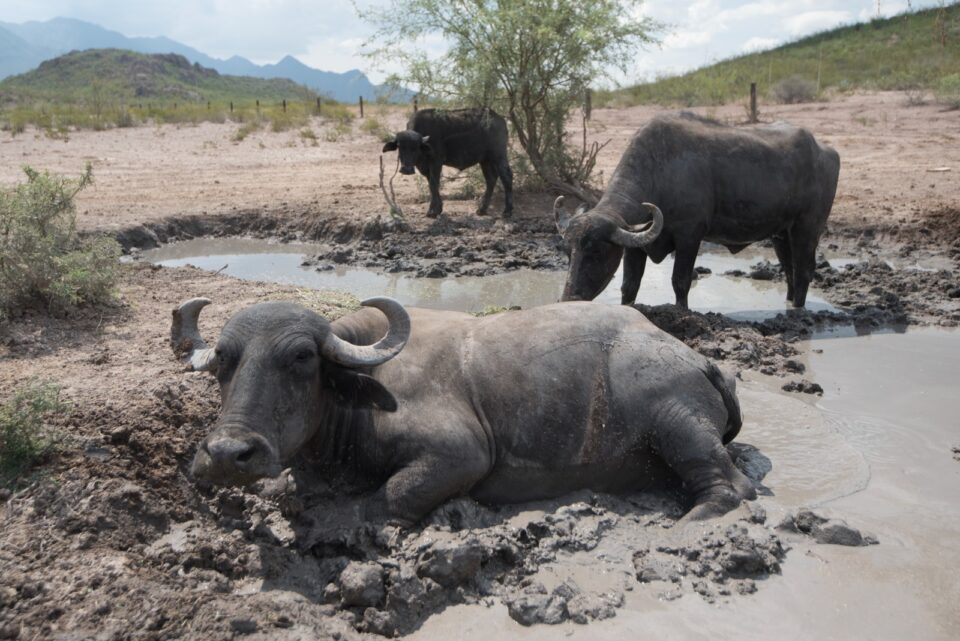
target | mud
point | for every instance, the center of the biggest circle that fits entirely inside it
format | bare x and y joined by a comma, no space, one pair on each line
111,540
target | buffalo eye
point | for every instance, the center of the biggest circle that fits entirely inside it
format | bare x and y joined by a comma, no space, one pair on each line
303,356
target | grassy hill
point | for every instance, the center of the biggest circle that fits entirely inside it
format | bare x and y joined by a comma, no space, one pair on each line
910,51
125,76
105,88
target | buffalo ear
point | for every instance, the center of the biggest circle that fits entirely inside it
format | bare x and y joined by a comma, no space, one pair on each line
390,146
354,389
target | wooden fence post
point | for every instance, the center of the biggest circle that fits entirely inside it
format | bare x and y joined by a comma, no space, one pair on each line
258,106
284,105
231,106
361,106
753,102
588,104
416,107
318,105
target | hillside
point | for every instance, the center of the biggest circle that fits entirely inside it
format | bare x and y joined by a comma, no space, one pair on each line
24,46
126,76
902,52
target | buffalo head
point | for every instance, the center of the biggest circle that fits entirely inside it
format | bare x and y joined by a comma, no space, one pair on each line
281,369
595,241
411,146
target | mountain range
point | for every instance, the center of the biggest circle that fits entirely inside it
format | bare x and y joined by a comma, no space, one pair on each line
24,46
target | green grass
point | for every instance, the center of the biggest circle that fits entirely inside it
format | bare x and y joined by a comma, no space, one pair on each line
25,438
899,53
105,88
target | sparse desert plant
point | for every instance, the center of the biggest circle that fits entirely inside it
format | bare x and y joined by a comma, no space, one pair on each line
915,96
25,438
245,130
794,90
43,262
308,136
948,91
376,128
337,131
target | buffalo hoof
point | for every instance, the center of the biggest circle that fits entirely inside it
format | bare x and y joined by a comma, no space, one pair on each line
481,212
507,213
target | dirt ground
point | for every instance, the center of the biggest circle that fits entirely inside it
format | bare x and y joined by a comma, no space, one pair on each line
113,541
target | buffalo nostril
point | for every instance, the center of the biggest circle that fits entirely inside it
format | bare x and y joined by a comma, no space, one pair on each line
246,455
232,452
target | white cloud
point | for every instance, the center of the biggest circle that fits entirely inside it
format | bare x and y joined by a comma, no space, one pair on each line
327,33
759,43
813,21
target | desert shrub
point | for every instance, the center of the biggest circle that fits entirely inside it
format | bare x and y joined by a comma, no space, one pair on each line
376,128
337,131
794,90
245,130
25,438
914,96
43,262
948,91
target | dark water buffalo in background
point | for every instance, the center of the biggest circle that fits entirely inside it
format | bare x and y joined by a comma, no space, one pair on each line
713,182
458,138
434,404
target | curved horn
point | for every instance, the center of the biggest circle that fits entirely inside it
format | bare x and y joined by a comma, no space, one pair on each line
640,239
185,337
398,331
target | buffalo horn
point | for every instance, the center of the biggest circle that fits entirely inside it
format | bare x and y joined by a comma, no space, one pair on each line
398,331
640,239
185,337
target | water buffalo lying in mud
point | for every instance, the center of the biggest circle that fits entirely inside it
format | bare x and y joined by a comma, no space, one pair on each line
715,183
434,404
459,138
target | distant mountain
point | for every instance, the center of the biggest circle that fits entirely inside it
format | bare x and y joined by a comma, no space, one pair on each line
129,76
24,46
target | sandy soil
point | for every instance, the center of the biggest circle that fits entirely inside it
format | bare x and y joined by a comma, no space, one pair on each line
114,541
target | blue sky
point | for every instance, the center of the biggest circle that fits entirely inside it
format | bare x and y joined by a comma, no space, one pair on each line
327,34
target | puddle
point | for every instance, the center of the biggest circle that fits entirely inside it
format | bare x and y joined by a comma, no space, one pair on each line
875,451
738,297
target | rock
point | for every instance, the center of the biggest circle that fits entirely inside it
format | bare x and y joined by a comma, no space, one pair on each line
451,563
837,532
8,597
361,584
584,608
10,631
757,513
379,622
700,269
763,271
243,625
5,494
528,609
804,386
743,563
825,531
794,366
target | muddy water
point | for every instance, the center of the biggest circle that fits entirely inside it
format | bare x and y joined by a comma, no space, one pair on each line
875,451
260,260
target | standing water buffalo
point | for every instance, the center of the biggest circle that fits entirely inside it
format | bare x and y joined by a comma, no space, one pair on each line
713,182
435,404
457,138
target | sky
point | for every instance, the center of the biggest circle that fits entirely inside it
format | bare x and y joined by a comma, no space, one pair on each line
326,34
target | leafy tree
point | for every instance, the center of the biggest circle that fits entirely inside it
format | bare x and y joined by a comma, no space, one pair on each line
531,60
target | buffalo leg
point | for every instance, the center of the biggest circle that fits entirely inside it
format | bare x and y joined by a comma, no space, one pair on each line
490,177
506,179
423,484
781,245
694,451
634,264
683,262
436,205
803,248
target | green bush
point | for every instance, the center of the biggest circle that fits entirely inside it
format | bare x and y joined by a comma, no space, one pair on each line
43,263
25,439
948,92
